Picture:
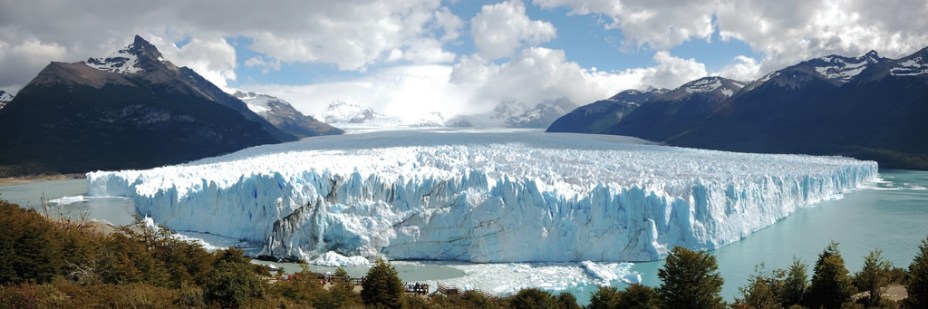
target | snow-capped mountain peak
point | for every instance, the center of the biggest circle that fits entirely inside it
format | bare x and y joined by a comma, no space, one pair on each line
724,86
129,60
343,112
5,96
843,69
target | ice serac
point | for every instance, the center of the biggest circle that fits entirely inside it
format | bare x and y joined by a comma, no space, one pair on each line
482,197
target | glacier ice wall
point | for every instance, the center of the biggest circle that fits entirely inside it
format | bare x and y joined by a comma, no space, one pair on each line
482,196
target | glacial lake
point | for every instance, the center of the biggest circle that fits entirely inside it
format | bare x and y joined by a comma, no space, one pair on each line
890,214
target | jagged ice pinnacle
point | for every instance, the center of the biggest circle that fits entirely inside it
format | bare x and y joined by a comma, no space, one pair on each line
482,196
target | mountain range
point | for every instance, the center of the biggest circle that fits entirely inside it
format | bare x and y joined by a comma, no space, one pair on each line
132,109
867,107
282,115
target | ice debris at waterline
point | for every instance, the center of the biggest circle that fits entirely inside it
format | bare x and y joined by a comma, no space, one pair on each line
482,196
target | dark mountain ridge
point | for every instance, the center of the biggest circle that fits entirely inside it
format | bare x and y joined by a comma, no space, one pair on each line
131,110
867,107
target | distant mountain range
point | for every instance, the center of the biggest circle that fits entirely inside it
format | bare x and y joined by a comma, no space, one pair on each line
133,109
347,114
867,107
282,115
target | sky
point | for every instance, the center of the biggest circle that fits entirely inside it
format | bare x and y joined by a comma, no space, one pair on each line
457,57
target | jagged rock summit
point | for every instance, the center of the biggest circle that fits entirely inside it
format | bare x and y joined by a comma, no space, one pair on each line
132,109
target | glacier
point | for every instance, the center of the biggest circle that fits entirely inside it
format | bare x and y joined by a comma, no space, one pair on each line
482,196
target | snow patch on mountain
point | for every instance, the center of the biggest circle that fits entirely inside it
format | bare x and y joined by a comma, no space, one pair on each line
844,69
256,102
912,67
482,196
5,96
703,85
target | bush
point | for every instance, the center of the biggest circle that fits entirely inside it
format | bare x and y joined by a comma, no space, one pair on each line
690,279
532,298
232,281
566,300
604,298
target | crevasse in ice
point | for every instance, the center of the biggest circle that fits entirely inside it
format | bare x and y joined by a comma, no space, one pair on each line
482,196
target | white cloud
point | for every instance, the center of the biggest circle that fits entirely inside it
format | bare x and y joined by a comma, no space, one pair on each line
214,59
786,31
671,72
742,68
474,85
265,65
26,57
501,29
350,34
656,24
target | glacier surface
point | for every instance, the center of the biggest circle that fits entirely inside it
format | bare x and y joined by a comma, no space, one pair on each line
502,196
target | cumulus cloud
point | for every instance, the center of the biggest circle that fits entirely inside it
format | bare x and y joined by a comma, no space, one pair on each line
474,85
655,24
785,31
501,29
671,72
352,35
214,59
25,57
741,68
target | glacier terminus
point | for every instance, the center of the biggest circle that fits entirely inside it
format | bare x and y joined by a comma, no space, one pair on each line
482,196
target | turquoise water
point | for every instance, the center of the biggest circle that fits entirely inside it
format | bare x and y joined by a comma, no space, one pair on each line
891,215
117,211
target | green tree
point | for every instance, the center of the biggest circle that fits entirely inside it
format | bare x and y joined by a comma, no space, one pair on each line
873,277
566,300
917,279
28,250
831,285
605,297
793,283
232,281
532,298
690,279
638,296
382,287
760,293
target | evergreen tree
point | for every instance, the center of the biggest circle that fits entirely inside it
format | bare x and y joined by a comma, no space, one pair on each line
793,284
917,283
831,285
690,279
382,287
873,277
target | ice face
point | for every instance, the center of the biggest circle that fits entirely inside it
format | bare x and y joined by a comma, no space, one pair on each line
482,196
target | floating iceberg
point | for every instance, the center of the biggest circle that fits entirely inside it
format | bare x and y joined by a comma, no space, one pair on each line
476,196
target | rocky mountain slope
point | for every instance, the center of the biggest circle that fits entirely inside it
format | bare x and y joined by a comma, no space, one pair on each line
282,115
133,109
